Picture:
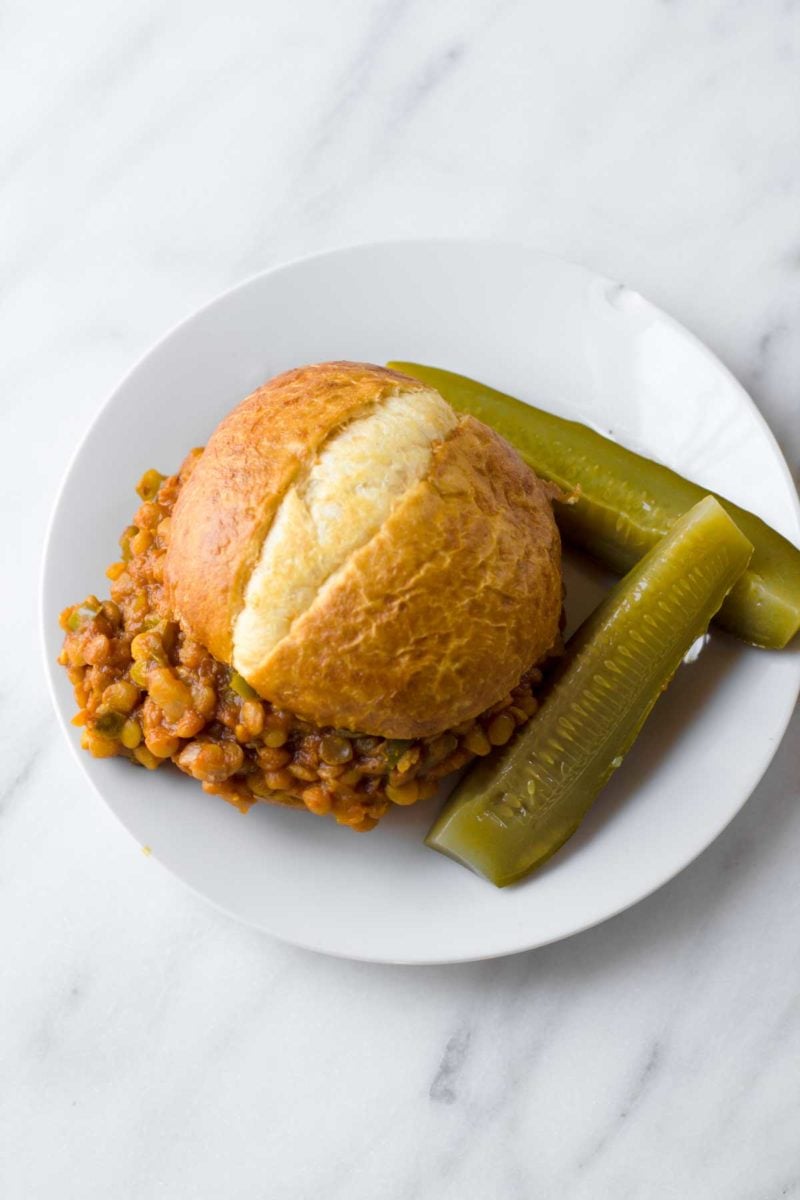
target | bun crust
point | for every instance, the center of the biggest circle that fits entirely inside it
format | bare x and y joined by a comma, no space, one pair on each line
439,615
427,621
227,506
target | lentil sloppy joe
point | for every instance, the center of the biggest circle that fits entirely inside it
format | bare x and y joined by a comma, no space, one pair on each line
347,596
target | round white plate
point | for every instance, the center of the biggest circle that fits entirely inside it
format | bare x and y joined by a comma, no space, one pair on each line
549,332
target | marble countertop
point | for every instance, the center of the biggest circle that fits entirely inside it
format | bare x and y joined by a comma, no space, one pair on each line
152,155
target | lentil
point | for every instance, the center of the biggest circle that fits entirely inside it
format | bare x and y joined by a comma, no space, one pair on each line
500,729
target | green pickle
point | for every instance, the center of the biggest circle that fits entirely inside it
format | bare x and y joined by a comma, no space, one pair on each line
624,503
514,810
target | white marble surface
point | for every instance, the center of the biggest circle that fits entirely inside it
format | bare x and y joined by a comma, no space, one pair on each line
153,154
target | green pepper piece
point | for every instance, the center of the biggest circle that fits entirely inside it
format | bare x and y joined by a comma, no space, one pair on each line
110,724
624,503
395,749
82,614
514,810
242,688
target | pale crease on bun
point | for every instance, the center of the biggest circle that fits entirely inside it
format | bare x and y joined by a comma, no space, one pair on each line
365,557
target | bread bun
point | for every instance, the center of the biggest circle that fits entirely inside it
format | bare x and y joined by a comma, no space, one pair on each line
363,556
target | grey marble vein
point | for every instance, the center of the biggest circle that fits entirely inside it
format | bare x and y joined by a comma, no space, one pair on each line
641,1084
444,1088
11,787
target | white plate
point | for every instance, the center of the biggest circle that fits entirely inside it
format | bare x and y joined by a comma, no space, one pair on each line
551,333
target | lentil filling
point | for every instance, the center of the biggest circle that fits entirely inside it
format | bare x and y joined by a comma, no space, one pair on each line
147,691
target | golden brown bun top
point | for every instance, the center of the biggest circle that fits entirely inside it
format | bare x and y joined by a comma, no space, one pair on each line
363,556
225,510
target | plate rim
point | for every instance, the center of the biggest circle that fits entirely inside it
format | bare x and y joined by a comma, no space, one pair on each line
342,250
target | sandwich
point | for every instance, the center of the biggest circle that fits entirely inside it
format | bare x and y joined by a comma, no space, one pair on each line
350,593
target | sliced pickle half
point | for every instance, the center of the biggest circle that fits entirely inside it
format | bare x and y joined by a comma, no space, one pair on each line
514,810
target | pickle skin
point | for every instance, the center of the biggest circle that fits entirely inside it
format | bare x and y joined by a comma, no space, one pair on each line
624,503
513,811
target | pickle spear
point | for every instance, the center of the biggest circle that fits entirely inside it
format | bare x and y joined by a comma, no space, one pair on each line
625,503
514,810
